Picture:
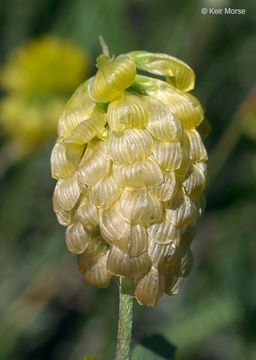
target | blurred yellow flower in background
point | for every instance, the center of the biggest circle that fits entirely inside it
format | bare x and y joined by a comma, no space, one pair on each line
39,78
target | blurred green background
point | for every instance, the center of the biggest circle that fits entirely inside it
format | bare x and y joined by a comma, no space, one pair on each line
47,312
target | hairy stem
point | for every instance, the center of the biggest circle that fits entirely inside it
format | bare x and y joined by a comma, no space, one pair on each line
125,319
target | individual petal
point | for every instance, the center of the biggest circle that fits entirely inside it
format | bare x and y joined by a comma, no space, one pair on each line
65,159
185,263
195,179
149,288
112,78
138,206
63,216
160,253
163,233
129,146
173,287
128,111
105,192
67,192
163,124
169,155
181,210
95,163
177,72
185,163
177,269
136,242
131,239
166,189
120,263
79,107
87,213
113,227
98,274
77,238
195,146
185,106
86,130
141,173
93,263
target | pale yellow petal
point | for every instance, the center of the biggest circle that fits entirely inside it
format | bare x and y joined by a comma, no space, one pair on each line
181,210
67,192
79,107
113,226
177,72
141,173
185,163
92,263
166,189
131,239
160,253
177,269
97,274
129,146
105,192
120,263
86,130
95,163
163,124
174,286
128,111
139,206
185,263
136,242
168,154
195,179
65,159
77,238
185,106
87,213
163,233
112,78
63,216
149,288
195,146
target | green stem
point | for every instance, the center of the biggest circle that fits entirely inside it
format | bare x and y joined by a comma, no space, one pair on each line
125,319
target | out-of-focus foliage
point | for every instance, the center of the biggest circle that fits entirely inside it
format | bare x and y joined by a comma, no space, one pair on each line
39,77
47,312
154,347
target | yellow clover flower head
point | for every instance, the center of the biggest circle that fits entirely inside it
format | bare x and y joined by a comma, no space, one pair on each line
131,168
39,77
